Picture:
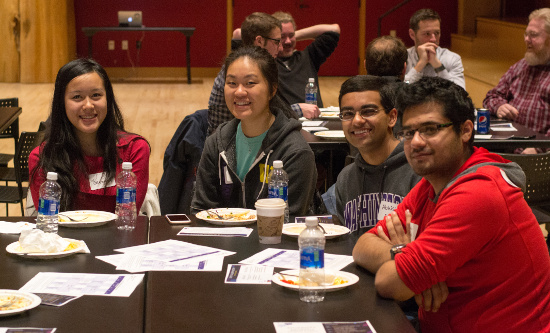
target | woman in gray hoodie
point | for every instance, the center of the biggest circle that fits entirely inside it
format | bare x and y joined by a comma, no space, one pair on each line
237,158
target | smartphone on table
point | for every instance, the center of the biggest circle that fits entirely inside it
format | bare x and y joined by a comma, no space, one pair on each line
178,219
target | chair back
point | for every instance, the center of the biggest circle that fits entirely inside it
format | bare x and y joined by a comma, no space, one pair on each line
12,131
27,142
537,172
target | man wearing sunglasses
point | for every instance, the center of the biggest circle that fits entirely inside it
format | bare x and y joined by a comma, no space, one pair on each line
464,242
380,177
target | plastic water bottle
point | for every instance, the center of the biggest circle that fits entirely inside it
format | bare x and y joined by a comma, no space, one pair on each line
48,206
278,184
311,92
312,262
126,198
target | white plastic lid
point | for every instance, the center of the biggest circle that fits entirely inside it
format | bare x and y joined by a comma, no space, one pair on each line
51,176
277,164
311,221
311,79
126,165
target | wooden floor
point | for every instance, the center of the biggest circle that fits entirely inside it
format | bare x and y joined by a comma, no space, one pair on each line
153,110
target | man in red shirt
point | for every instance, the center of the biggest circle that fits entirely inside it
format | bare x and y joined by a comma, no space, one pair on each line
464,242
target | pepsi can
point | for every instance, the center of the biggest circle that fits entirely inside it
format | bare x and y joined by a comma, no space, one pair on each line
483,121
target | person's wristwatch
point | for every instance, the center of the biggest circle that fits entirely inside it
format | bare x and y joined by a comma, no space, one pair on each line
396,249
439,69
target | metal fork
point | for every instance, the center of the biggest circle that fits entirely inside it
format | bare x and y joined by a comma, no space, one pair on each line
211,211
73,219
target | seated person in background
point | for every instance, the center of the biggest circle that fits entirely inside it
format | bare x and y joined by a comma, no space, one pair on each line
238,157
522,93
380,177
296,67
258,29
426,57
386,56
86,143
464,242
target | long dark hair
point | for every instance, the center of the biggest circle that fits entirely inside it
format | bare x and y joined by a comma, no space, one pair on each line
62,149
269,70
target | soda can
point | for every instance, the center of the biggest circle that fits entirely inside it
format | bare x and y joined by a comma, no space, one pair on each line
483,121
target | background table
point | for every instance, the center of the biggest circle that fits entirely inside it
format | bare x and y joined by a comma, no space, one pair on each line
202,302
188,32
88,313
8,115
499,141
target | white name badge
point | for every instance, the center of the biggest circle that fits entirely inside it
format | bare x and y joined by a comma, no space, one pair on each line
386,207
227,175
97,181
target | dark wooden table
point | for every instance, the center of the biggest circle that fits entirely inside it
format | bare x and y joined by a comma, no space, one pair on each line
8,115
202,302
187,31
500,140
88,313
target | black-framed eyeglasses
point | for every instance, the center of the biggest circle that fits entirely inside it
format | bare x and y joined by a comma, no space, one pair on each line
365,113
425,131
275,40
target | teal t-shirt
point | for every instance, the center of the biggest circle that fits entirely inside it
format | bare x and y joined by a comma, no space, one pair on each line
247,149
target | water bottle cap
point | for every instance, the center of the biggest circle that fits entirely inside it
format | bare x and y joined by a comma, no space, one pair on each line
311,221
51,176
311,80
126,165
277,164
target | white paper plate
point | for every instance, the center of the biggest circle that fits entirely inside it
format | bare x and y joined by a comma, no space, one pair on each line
250,217
94,218
330,109
12,248
351,278
329,115
332,230
330,134
32,298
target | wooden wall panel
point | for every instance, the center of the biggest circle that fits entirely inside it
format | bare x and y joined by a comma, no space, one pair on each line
47,38
9,56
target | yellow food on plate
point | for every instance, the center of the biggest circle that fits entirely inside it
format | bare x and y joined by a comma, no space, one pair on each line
339,280
12,302
73,245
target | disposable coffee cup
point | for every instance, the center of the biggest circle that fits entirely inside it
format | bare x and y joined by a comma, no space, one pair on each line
271,216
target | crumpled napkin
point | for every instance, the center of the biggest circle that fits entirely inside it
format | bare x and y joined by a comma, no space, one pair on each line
37,241
15,227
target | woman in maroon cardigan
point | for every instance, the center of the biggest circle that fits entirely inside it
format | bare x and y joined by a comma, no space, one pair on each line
86,142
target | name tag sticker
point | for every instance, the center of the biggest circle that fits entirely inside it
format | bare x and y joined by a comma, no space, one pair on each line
227,176
97,181
386,207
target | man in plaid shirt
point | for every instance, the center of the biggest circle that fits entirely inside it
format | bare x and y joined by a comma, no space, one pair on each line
522,94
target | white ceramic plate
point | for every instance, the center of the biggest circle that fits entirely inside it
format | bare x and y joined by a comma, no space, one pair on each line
330,134
12,248
351,279
332,230
330,109
329,115
32,300
90,218
249,217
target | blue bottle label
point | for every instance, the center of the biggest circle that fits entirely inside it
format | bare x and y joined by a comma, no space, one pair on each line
125,195
311,98
48,207
278,192
311,257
